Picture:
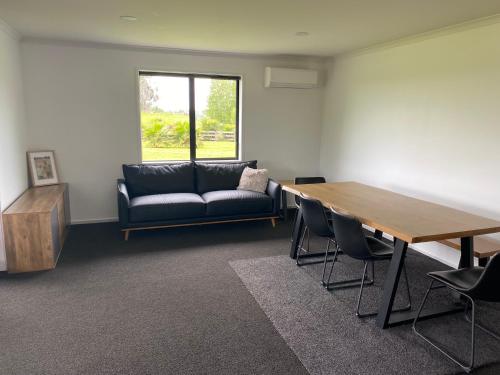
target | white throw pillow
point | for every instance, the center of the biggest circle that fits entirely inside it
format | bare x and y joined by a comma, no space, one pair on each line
254,180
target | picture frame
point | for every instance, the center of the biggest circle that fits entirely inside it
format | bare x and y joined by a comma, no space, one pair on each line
42,168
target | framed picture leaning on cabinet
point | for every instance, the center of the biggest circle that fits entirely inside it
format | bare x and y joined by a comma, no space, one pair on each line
42,168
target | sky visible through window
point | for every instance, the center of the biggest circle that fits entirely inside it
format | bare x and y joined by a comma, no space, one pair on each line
172,94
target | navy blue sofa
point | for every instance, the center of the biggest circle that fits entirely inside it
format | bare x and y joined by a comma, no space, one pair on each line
190,193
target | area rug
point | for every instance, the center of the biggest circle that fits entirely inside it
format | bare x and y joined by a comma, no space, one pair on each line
322,330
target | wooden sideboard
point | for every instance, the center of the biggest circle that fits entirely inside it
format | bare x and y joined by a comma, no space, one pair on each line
35,227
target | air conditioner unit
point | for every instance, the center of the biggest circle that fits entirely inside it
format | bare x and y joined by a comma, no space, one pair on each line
291,78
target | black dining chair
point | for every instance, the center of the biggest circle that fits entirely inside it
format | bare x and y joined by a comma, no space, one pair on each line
353,242
315,221
473,284
304,181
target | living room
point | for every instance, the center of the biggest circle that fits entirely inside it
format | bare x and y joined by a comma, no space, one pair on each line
401,97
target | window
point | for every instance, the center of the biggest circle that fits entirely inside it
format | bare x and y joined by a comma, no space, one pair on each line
189,116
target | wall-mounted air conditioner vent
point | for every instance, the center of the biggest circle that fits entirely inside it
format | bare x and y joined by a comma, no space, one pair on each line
291,78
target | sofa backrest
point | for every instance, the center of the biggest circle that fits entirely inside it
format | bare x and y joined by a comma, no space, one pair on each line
146,179
220,176
184,177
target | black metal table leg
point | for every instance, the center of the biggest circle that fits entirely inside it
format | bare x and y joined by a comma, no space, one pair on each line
391,283
386,317
297,232
378,234
284,203
467,252
466,260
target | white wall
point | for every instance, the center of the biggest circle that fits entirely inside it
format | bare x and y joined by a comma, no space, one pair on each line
81,102
421,118
13,175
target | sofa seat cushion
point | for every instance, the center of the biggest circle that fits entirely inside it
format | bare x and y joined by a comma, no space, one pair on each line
236,202
171,206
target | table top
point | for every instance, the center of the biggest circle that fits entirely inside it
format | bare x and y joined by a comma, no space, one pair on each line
409,219
36,200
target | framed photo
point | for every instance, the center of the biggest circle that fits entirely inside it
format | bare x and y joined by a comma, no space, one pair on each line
42,166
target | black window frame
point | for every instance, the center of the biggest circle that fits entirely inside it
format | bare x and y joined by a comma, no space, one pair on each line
192,113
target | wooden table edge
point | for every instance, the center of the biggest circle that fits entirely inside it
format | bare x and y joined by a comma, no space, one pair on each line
402,236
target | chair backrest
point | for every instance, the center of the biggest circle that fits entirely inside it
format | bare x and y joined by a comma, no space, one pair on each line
305,181
350,236
487,287
315,218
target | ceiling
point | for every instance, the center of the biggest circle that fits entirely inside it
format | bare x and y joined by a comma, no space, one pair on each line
252,26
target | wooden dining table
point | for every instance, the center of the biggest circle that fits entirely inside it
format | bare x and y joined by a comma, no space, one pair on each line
408,220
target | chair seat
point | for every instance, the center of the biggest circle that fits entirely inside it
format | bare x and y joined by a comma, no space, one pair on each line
166,207
237,202
463,279
379,249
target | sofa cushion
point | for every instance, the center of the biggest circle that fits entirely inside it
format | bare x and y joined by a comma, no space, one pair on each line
220,176
144,179
171,206
254,180
236,202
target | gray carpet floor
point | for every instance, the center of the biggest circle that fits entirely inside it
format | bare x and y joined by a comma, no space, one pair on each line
165,302
322,329
169,302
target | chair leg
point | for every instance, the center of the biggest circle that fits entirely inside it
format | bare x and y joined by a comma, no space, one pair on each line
308,240
358,314
473,341
481,327
301,249
326,260
126,234
301,246
335,256
421,307
406,308
331,268
466,367
352,283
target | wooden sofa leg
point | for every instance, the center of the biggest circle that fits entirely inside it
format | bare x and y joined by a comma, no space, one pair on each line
273,222
126,233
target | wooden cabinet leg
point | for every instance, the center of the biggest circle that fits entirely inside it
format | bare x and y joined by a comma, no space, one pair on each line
273,222
126,233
